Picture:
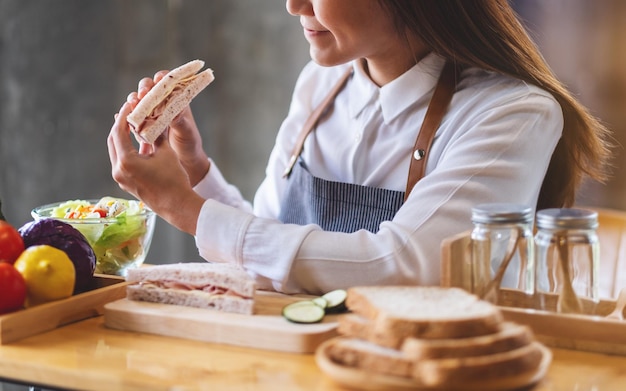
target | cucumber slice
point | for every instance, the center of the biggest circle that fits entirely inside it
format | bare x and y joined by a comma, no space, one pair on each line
336,300
305,311
320,301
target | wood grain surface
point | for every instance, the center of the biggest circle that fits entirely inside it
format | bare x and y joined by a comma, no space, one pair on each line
34,320
266,329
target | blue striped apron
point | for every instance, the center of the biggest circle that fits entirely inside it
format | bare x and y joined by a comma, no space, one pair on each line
348,207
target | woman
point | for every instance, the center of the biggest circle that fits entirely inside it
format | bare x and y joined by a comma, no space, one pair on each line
425,108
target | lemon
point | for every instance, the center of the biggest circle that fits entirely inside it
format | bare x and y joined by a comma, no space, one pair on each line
49,274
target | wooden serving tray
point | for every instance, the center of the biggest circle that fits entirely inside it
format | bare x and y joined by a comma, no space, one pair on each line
590,331
24,323
266,329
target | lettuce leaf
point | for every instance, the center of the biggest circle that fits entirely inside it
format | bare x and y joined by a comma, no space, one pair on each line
126,228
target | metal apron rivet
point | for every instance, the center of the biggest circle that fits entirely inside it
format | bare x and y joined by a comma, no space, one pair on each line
419,154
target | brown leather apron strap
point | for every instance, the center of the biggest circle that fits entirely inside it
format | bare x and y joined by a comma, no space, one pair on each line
436,109
311,122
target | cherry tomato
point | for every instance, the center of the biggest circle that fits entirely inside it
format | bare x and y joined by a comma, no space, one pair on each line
12,288
101,212
11,243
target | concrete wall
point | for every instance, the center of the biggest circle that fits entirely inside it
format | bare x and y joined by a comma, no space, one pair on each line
66,66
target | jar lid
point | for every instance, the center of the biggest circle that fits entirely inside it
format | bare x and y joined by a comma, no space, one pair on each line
501,213
567,218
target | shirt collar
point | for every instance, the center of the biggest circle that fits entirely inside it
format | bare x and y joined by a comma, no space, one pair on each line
397,95
363,90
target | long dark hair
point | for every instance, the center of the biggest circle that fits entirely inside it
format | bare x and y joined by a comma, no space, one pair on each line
489,35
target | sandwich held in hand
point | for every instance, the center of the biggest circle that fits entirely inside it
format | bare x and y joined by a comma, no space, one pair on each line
216,286
167,99
430,338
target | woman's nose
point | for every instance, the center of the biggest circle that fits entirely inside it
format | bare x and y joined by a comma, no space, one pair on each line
299,7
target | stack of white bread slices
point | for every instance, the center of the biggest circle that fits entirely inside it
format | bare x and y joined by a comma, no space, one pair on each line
431,338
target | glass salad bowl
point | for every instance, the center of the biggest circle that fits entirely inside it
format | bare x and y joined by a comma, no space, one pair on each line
119,231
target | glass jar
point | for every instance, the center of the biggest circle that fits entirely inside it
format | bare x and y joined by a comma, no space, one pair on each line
502,250
568,255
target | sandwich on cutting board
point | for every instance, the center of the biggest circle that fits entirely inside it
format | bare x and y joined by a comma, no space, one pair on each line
432,338
216,286
167,99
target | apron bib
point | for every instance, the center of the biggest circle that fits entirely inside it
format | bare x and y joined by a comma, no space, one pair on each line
347,207
336,206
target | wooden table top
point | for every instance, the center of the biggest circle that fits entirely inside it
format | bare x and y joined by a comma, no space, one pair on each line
88,356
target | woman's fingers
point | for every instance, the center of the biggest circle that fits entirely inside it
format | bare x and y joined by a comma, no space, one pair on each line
144,86
119,142
159,75
145,148
132,98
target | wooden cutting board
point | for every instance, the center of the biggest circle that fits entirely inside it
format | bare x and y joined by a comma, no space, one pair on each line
266,329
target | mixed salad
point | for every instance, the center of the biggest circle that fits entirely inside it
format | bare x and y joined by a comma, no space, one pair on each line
114,227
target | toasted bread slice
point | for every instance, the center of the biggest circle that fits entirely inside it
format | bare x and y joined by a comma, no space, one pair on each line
400,312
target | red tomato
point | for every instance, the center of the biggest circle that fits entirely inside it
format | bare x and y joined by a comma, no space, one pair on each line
12,288
11,243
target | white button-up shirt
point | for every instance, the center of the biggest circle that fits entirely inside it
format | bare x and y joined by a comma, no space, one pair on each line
494,145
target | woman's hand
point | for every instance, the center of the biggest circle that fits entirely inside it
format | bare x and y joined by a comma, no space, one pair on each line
154,175
183,134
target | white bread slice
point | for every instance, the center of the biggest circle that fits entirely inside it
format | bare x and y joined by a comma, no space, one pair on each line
364,365
194,298
511,336
198,273
177,102
503,368
445,372
370,357
400,312
354,326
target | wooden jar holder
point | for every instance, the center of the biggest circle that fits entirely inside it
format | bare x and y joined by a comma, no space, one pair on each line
591,331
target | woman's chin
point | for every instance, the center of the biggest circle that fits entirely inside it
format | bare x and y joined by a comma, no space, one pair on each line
326,60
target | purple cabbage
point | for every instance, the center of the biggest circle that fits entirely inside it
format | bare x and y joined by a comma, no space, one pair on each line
63,236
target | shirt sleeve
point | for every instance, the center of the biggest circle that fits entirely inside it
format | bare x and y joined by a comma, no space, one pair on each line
498,152
214,186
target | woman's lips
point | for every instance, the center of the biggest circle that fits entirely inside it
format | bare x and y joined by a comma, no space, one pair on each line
314,33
